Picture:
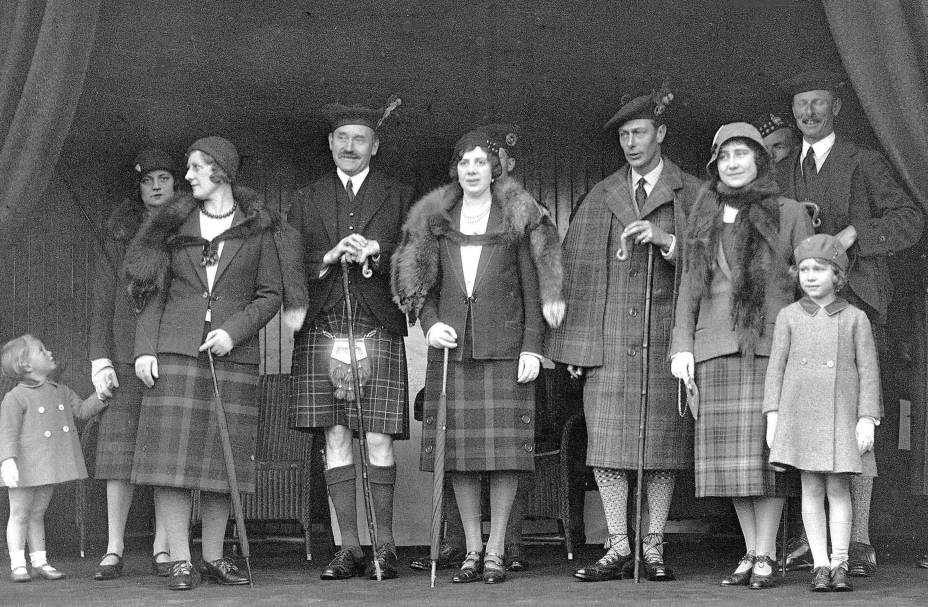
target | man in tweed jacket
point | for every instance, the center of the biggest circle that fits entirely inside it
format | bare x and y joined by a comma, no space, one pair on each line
644,203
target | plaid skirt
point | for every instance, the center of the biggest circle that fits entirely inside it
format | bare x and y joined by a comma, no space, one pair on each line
119,424
178,443
386,398
491,417
731,433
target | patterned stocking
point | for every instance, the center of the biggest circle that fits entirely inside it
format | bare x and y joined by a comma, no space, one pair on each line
613,490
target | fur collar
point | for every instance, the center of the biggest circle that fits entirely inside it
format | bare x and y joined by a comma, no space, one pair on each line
415,269
125,220
757,259
148,255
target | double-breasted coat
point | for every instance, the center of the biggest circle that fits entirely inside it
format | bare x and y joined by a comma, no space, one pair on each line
822,376
604,327
37,430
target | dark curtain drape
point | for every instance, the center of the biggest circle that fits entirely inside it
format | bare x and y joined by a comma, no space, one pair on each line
45,46
884,48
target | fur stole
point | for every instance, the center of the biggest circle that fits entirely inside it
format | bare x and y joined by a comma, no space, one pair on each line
125,220
148,256
758,260
414,267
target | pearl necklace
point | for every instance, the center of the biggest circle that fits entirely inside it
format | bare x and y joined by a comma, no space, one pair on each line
478,217
220,215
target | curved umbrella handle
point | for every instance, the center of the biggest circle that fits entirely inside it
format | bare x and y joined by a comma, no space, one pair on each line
815,211
623,253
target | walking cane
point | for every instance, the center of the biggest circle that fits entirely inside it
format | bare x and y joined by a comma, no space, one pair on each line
362,433
236,497
438,471
643,406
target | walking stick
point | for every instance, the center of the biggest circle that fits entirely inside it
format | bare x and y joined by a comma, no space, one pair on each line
236,497
362,433
438,472
643,406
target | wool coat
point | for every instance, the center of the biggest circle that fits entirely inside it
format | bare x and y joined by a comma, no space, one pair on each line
380,217
165,257
604,326
37,430
855,186
822,376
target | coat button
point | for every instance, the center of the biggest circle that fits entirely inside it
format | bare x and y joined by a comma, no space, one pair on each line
633,311
66,428
41,409
205,294
526,419
632,351
428,448
47,434
803,361
882,238
350,214
830,363
429,420
61,407
528,447
350,227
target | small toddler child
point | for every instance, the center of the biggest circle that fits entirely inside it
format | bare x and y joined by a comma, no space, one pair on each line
822,401
39,448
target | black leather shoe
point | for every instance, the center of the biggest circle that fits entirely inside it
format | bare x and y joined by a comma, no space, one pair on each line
161,568
183,576
470,570
448,556
494,571
839,581
821,580
861,560
109,572
798,554
922,561
386,558
763,580
742,578
607,568
344,566
656,571
514,559
222,571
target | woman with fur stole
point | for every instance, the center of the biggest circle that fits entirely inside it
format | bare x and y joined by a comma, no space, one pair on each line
737,254
206,271
480,265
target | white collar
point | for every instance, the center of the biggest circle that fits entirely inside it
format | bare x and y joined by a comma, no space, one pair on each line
356,180
652,176
821,147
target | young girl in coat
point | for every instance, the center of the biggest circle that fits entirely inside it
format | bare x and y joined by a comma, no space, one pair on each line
822,401
39,448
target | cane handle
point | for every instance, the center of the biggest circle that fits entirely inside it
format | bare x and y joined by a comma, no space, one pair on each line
622,253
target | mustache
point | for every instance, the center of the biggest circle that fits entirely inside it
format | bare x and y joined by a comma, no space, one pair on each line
351,155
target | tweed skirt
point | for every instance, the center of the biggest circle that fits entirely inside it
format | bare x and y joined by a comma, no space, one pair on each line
386,397
178,442
491,417
731,433
119,424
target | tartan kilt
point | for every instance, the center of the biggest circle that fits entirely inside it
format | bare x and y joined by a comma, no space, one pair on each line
119,424
731,434
178,443
386,398
491,417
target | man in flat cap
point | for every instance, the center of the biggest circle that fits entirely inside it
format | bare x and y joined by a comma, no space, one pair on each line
642,205
353,213
862,205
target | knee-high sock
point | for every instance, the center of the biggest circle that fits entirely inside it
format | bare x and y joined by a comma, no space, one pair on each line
613,491
839,520
340,482
517,514
861,492
660,493
503,487
383,480
467,494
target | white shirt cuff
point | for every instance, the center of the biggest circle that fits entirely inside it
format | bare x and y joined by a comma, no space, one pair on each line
538,356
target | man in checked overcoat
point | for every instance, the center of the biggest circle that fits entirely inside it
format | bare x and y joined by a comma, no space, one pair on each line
644,203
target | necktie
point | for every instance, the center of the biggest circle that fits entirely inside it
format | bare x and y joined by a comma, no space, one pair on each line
349,187
809,170
640,194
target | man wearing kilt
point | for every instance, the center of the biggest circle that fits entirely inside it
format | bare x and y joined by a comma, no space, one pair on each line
357,213
644,203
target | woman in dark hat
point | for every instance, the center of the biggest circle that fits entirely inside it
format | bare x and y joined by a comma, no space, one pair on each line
480,263
112,333
206,271
738,249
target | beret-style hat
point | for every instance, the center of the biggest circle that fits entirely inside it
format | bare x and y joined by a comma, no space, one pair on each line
822,246
651,107
505,136
339,115
153,160
770,123
222,151
813,80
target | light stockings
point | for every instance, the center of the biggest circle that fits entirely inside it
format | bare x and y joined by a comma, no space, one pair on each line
815,486
467,495
503,486
759,518
861,492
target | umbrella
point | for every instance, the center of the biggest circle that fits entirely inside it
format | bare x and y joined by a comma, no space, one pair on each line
438,474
